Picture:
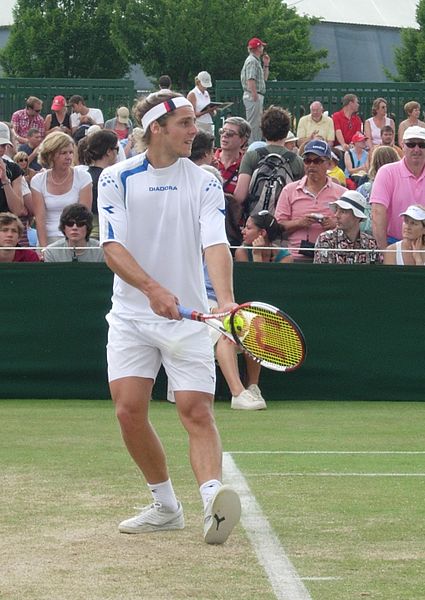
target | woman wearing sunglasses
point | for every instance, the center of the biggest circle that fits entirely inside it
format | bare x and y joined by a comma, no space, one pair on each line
410,250
21,159
76,223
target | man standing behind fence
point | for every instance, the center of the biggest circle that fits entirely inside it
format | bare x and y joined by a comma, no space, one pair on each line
254,75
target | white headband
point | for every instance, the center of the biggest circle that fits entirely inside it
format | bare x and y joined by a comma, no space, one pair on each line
162,109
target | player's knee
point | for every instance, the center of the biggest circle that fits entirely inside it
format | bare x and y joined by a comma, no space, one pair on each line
128,414
197,414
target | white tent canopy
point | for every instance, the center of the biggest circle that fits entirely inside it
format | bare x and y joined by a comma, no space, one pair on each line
6,17
383,13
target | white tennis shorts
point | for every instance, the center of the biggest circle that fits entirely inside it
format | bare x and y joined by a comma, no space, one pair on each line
137,349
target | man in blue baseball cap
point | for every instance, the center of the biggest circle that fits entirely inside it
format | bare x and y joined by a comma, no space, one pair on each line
303,206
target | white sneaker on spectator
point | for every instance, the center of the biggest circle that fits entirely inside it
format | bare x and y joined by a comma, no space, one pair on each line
153,518
256,391
247,400
222,514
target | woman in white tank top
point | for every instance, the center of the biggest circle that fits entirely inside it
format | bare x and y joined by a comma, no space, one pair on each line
411,249
57,186
200,98
377,121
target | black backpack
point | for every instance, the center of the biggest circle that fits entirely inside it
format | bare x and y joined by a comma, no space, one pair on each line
271,175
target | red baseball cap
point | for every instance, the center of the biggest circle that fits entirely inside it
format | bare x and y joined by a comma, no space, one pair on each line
358,137
58,103
255,43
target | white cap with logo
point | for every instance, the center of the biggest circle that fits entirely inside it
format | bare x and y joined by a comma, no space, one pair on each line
204,79
414,133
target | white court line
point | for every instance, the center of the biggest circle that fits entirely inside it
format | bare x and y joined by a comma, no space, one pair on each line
326,452
321,578
330,474
284,579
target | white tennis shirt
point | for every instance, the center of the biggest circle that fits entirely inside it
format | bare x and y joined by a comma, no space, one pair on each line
163,217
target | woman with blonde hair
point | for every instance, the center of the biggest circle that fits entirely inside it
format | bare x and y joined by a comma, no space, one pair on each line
378,120
410,250
57,186
382,155
413,111
21,158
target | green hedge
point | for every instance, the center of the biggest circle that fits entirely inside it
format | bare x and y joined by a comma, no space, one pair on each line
364,327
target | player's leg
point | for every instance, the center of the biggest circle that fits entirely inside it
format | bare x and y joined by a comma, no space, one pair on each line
253,369
131,396
196,415
242,399
227,360
133,362
222,507
192,375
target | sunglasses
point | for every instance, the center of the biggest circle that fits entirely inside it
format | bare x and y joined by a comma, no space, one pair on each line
72,222
23,160
227,132
313,161
414,144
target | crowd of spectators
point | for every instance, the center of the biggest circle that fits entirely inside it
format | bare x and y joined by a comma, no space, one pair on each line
48,164
338,191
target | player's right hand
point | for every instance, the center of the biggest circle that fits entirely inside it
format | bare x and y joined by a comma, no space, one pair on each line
163,302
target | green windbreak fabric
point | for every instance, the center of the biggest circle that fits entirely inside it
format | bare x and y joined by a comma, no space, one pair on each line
364,327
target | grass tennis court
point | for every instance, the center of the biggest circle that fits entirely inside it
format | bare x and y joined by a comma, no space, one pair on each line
341,486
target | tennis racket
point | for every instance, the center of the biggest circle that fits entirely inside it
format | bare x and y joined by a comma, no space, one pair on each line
263,331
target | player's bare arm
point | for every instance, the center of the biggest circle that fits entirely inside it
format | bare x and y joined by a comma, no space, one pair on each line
220,269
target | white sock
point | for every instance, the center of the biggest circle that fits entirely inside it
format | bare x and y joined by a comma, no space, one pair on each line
208,489
164,494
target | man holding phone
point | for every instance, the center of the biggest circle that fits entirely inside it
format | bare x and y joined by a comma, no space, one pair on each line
303,206
254,75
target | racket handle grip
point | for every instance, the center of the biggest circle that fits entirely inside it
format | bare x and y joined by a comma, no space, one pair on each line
185,313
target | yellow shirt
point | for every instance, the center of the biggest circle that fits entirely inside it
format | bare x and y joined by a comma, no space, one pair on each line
338,174
325,128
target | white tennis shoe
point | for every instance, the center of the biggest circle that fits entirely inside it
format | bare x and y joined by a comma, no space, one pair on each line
222,514
248,400
153,518
254,389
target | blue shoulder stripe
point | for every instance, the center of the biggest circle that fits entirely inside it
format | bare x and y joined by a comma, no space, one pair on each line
126,174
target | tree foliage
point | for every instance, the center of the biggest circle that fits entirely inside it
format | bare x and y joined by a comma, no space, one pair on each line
409,58
62,38
184,37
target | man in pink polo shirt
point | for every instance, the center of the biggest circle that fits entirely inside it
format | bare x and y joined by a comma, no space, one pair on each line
397,186
303,206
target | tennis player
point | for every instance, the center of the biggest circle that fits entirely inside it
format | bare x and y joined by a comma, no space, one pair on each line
157,211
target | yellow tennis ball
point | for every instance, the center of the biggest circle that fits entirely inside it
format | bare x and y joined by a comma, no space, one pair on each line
238,322
226,324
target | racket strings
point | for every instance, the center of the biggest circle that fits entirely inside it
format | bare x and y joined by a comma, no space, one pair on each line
269,336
